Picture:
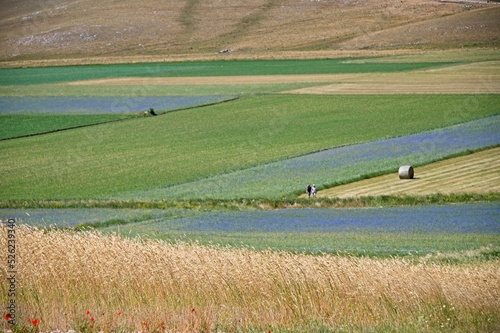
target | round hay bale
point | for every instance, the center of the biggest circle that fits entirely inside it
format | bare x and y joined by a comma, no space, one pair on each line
406,172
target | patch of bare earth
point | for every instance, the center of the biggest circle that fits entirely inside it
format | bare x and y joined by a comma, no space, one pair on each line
475,173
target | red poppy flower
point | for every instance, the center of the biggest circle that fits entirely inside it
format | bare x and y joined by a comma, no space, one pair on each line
92,319
8,316
119,313
35,322
144,324
88,312
192,310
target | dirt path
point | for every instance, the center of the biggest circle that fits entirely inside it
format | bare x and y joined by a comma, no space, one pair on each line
476,173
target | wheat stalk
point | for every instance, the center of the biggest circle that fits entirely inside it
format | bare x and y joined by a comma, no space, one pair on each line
189,287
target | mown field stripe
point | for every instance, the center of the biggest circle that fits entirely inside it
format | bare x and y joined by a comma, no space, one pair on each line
473,173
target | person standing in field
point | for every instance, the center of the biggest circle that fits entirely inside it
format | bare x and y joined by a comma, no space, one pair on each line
308,190
313,190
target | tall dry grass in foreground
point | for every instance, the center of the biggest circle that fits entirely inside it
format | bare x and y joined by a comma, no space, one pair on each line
150,285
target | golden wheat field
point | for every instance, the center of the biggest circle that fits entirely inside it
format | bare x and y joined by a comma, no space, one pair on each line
90,282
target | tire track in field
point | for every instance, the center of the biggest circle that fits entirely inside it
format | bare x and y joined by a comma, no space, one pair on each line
475,173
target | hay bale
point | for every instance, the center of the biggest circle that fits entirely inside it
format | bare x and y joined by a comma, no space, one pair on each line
406,172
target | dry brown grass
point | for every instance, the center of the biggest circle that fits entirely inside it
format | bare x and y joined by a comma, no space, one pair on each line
191,288
65,29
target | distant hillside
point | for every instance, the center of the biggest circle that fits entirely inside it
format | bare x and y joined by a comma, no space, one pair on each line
44,29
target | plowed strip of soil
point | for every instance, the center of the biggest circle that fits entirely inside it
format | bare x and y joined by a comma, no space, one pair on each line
475,173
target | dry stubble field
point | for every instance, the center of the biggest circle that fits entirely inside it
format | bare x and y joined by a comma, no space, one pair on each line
476,173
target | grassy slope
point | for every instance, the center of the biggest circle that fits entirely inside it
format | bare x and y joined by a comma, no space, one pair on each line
178,147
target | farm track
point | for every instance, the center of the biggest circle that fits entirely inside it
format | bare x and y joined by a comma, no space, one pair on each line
476,173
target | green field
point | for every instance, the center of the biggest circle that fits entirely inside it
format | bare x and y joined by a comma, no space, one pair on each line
392,231
139,158
46,75
21,125
358,243
144,153
201,253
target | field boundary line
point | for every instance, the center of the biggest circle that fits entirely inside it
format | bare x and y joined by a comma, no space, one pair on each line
114,120
61,129
260,204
